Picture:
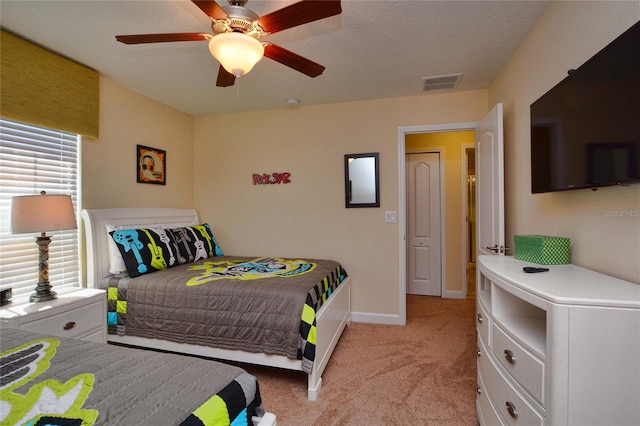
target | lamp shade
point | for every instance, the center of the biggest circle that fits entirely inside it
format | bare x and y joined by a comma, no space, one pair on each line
236,52
42,213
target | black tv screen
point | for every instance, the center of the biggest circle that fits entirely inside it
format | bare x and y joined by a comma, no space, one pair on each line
585,131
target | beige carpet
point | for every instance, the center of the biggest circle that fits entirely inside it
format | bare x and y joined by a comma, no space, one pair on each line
421,374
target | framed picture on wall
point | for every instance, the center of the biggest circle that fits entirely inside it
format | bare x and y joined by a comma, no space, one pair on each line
152,165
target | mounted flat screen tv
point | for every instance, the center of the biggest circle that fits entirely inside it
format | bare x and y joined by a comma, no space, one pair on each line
585,131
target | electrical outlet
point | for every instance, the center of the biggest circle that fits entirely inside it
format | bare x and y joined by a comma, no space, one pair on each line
390,217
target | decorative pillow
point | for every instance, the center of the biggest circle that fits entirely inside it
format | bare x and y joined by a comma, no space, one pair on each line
144,250
193,243
211,245
116,262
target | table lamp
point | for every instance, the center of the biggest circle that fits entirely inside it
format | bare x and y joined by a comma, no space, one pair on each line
42,213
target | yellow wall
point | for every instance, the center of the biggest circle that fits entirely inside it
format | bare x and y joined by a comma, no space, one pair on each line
567,35
307,217
450,143
109,163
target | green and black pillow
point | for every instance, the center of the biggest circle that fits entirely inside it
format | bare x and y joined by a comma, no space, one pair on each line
148,250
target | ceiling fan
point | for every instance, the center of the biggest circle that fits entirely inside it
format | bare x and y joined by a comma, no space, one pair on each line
237,31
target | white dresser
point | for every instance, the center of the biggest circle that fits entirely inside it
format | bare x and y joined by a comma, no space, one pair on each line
556,348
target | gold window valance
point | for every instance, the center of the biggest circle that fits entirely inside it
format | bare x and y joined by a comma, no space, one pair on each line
42,88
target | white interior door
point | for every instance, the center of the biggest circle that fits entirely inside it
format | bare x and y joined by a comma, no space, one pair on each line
490,184
424,269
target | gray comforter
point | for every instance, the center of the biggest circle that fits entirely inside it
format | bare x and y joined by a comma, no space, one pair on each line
232,307
113,385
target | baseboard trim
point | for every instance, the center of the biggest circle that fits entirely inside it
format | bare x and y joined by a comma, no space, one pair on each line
454,295
370,318
389,319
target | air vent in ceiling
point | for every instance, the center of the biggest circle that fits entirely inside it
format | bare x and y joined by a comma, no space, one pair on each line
441,82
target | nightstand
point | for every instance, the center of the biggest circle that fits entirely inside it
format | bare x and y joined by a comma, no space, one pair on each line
76,313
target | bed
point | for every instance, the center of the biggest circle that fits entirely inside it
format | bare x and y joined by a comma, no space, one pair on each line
328,311
55,381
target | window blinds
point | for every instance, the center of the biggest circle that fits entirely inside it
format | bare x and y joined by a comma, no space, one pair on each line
34,159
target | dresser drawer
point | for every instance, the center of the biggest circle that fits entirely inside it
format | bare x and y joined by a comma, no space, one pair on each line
487,414
71,324
483,323
526,368
513,408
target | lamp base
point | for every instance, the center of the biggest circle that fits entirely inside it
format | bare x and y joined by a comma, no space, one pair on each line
43,288
43,293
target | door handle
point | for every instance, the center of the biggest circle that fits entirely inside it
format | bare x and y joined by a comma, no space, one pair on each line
496,249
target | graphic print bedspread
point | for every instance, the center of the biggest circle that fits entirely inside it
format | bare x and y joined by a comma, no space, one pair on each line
55,381
265,305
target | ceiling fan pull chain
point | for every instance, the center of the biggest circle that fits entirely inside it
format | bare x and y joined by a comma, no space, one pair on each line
238,87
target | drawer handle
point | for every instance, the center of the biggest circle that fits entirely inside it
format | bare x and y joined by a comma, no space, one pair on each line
478,352
69,325
478,390
479,318
511,408
511,359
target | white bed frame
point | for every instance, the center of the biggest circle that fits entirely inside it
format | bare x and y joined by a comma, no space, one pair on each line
331,318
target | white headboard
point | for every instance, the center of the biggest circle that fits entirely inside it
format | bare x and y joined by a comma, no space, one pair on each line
97,239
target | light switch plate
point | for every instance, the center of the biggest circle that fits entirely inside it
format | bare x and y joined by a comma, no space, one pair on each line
390,217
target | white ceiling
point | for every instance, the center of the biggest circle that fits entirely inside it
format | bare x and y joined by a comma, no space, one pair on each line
374,49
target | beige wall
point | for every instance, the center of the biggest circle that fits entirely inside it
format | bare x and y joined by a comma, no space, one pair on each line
567,35
450,144
109,163
307,217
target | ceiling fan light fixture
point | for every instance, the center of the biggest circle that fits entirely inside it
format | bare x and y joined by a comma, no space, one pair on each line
236,52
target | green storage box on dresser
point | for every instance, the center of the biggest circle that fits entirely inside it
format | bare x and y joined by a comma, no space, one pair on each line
542,249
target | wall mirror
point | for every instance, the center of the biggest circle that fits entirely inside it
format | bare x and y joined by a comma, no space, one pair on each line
362,180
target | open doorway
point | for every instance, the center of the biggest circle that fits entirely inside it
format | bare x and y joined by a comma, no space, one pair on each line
456,152
489,203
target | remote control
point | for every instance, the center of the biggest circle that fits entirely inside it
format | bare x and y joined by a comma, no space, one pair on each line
533,269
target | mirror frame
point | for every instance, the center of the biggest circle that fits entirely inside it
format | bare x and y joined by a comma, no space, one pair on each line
347,182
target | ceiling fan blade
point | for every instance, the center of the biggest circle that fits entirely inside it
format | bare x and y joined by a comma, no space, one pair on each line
211,8
161,38
225,78
292,60
299,13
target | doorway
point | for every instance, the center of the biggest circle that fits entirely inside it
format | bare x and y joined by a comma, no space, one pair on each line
453,260
452,148
489,203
